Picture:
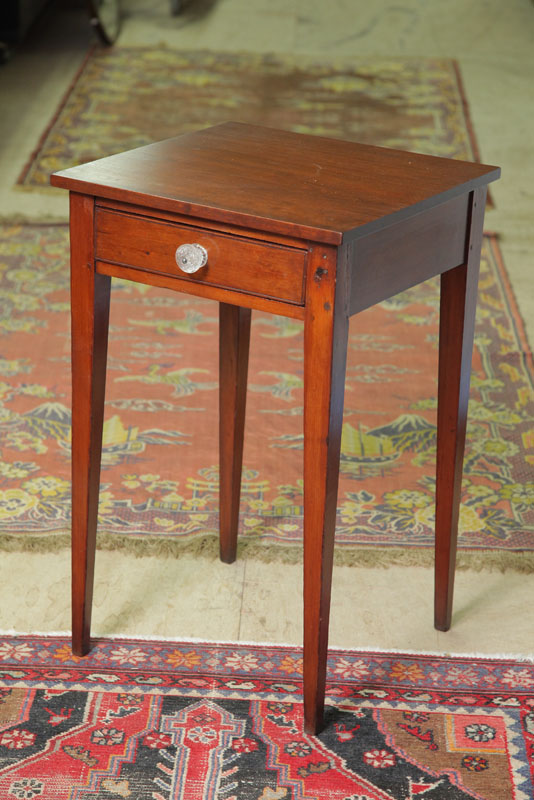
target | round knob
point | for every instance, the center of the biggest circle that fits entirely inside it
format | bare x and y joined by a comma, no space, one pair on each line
191,257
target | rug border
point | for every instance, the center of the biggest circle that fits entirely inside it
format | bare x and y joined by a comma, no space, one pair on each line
523,658
470,125
466,110
55,116
513,307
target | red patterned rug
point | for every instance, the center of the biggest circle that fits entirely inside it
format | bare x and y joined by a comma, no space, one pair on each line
151,720
160,475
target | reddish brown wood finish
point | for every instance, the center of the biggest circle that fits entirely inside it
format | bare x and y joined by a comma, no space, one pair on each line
388,261
234,340
325,353
457,326
233,263
313,188
201,290
203,224
311,228
90,295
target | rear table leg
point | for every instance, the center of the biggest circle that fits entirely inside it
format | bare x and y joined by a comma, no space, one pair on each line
234,340
457,325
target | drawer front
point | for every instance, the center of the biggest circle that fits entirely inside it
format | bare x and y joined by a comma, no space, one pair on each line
262,268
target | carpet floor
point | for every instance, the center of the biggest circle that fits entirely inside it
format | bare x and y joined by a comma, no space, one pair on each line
155,720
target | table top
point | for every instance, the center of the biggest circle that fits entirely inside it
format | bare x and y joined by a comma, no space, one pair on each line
324,190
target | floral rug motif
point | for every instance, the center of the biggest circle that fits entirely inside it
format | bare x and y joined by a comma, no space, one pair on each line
159,482
128,97
183,721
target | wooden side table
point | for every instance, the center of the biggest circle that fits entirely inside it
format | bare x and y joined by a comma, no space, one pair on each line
306,227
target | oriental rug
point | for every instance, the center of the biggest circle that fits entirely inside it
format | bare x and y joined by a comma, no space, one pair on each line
160,477
127,97
152,720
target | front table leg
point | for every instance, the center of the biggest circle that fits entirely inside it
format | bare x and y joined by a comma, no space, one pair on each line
90,294
234,340
325,351
457,325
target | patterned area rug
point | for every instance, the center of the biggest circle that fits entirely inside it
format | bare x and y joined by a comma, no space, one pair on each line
160,478
124,98
184,721
160,474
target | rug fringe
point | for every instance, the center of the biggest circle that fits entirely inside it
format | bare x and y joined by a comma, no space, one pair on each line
51,542
208,547
55,116
37,220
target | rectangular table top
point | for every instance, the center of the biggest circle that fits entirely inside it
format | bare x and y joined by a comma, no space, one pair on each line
324,190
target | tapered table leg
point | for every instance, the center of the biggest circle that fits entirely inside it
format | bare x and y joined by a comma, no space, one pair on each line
457,324
234,340
325,351
90,294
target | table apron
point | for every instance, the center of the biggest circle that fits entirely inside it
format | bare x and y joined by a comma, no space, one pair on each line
409,252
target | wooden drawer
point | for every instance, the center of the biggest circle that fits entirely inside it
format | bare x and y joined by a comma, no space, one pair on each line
268,269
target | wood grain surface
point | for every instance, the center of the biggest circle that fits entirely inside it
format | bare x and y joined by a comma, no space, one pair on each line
321,189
